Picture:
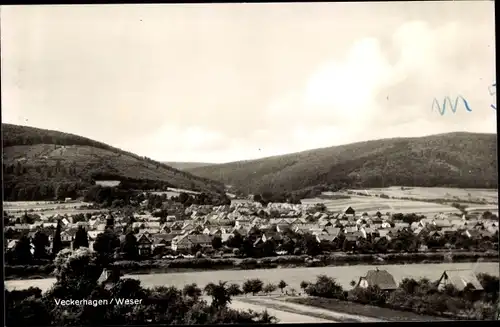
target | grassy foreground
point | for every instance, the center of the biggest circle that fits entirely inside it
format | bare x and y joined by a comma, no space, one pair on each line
360,309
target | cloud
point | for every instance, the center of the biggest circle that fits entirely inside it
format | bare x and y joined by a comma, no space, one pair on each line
231,82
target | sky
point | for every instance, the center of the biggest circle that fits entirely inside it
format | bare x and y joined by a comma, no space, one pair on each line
229,82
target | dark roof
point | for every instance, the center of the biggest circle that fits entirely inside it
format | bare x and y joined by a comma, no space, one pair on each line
200,238
143,238
70,232
348,210
166,237
158,241
382,279
353,236
283,227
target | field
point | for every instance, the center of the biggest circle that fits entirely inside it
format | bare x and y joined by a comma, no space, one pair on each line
373,204
489,196
46,207
293,276
174,192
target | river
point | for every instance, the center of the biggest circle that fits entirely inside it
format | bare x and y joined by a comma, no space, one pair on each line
293,276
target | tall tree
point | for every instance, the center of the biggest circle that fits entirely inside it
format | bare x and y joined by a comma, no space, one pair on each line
281,285
130,247
81,238
40,242
22,250
106,243
217,242
56,242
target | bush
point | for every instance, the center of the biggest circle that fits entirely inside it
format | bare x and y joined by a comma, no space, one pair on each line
371,295
253,286
326,287
234,290
269,288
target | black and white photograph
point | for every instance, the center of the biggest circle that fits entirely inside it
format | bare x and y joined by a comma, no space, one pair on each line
249,163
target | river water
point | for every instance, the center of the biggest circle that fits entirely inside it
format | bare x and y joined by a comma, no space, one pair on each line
293,276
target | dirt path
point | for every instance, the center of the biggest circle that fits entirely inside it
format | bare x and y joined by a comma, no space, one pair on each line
304,310
284,317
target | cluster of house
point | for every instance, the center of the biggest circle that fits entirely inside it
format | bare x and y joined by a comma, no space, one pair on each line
198,225
459,278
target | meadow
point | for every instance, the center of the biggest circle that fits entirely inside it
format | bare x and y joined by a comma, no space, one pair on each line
174,192
419,203
46,207
489,196
373,204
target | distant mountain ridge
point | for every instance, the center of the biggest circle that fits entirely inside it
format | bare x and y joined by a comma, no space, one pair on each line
454,159
187,165
39,163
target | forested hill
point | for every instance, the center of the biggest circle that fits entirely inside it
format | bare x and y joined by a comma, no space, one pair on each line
42,164
453,159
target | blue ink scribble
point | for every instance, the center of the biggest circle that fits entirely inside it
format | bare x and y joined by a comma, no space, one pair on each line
453,107
493,91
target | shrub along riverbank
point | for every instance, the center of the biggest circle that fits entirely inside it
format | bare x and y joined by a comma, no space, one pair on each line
78,280
334,259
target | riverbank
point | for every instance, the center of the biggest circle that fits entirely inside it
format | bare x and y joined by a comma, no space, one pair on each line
210,264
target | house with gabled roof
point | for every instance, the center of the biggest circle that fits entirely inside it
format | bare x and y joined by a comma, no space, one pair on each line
353,236
162,240
325,223
349,211
144,243
381,278
184,242
472,233
271,236
325,238
460,279
300,221
448,230
369,232
68,235
283,228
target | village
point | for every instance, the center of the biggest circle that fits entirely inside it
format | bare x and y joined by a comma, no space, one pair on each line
206,230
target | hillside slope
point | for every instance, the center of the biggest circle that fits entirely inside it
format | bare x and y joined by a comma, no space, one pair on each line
187,165
454,159
39,164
